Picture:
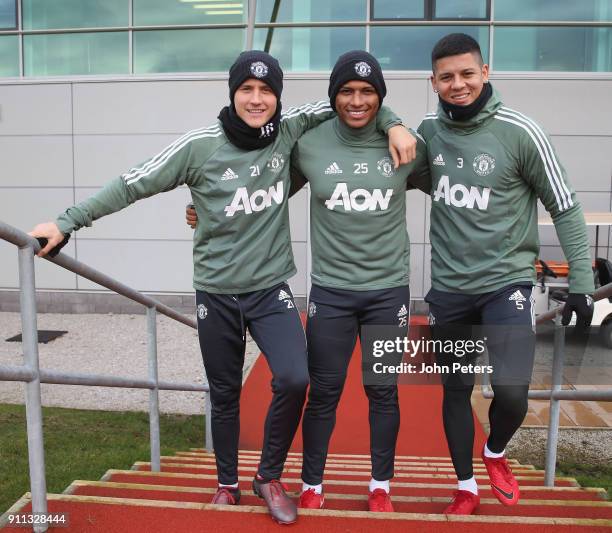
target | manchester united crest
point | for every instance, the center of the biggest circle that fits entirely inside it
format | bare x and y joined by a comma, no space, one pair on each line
483,164
276,162
259,69
363,69
385,167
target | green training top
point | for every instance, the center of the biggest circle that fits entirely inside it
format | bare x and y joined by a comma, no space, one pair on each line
487,175
242,241
358,206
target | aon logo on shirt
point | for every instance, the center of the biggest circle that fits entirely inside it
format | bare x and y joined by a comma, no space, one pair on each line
359,199
460,196
257,201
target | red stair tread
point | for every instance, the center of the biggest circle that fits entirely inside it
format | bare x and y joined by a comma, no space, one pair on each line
412,478
540,493
248,498
104,518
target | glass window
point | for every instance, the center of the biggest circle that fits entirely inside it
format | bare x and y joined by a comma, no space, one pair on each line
409,47
308,49
310,10
398,9
583,10
8,17
461,9
9,55
76,54
553,48
186,50
45,14
173,12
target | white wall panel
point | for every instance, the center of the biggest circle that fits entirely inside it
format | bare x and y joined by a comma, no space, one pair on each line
587,160
147,107
36,161
562,107
35,109
298,215
415,215
150,266
100,158
158,217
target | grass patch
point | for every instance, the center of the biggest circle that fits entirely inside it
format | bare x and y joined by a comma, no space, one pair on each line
588,475
83,444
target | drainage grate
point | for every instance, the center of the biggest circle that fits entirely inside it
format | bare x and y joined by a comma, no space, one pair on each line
44,336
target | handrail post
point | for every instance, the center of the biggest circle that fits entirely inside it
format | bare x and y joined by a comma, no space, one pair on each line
36,450
208,422
555,404
153,393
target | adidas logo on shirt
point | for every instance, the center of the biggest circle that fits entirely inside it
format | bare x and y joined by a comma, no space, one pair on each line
439,161
403,311
333,169
229,174
518,298
282,295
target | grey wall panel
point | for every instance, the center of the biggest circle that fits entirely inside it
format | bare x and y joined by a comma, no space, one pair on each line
24,208
298,282
99,158
36,161
35,109
562,107
415,216
47,275
299,92
417,252
587,160
298,215
408,99
147,107
158,217
152,266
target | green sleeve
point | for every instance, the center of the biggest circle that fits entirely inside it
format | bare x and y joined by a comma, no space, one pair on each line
298,120
541,168
420,177
163,172
386,119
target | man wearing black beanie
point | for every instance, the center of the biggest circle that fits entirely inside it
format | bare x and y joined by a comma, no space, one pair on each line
356,65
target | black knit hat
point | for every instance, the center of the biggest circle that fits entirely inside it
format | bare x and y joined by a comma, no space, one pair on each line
258,65
356,65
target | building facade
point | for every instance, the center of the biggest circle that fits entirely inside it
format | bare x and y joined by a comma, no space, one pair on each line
89,89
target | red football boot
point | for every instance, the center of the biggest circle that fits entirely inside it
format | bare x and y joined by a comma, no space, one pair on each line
503,483
380,502
464,502
309,499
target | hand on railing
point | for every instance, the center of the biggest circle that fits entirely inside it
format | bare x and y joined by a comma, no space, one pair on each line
50,238
582,305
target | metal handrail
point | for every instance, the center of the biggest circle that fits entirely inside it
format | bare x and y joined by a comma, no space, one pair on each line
556,394
31,374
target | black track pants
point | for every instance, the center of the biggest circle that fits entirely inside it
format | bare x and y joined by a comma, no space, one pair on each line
335,318
274,323
506,319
